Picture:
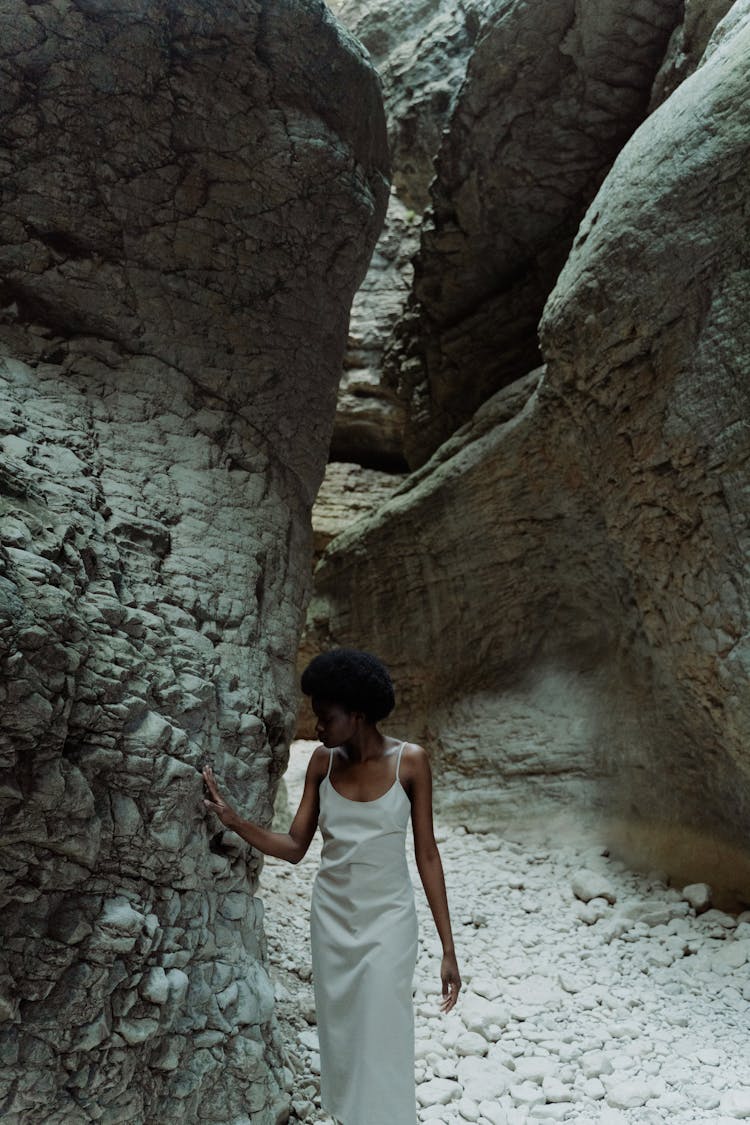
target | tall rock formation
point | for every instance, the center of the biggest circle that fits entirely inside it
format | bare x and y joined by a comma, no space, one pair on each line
191,194
561,586
421,50
648,351
552,92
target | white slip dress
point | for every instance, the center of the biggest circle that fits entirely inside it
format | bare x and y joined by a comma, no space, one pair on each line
363,943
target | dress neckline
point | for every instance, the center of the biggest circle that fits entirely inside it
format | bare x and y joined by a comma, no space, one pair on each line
372,801
375,799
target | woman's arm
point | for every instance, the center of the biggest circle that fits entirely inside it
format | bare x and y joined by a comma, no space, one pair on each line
430,868
291,845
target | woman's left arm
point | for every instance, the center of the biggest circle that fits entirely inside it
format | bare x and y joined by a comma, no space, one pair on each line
430,869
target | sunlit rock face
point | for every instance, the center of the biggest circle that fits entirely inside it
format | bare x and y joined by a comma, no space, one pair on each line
561,588
190,197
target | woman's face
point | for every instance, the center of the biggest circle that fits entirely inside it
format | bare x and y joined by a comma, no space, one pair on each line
335,725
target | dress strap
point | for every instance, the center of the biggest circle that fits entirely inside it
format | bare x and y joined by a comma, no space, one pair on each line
330,762
398,761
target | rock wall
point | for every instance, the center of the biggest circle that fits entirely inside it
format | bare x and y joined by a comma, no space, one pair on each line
421,51
347,494
686,45
504,118
648,348
561,587
191,196
552,92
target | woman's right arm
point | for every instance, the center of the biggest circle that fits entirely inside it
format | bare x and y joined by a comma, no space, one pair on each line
292,845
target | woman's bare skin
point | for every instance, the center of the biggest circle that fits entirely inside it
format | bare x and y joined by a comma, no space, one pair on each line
362,770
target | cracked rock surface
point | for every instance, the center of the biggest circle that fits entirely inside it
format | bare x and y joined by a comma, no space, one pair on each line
191,194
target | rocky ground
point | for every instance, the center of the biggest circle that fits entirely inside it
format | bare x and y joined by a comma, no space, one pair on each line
590,993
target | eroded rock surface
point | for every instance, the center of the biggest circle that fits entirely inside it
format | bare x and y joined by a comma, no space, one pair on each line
420,51
687,44
190,197
551,94
572,610
648,353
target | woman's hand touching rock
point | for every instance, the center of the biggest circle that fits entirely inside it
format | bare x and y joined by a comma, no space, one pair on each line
217,804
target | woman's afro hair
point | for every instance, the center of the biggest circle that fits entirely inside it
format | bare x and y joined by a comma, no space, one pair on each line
356,680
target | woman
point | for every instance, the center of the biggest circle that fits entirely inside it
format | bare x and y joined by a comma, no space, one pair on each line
360,787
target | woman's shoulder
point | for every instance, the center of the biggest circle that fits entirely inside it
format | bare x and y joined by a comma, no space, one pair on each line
414,750
317,765
414,759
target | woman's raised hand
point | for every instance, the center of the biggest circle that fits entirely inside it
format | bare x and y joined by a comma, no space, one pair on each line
225,812
451,979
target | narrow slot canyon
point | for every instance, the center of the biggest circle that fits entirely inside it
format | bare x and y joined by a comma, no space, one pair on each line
419,330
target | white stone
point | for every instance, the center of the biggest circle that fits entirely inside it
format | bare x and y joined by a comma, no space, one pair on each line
734,954
438,1091
471,1043
736,1103
534,1068
486,986
587,884
469,1109
527,1093
479,1014
698,895
711,1056
595,1063
309,1039
594,1088
555,1090
630,1093
483,1079
494,1113
549,1112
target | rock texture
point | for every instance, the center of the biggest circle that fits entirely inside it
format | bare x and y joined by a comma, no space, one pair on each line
190,197
348,493
552,92
687,45
572,611
420,50
370,417
648,347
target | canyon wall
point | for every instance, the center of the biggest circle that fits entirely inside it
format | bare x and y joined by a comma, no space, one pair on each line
560,584
421,50
191,197
552,92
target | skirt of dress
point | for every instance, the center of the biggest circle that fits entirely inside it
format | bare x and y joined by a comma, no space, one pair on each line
363,940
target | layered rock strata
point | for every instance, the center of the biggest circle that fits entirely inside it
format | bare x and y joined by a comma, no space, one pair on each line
648,351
